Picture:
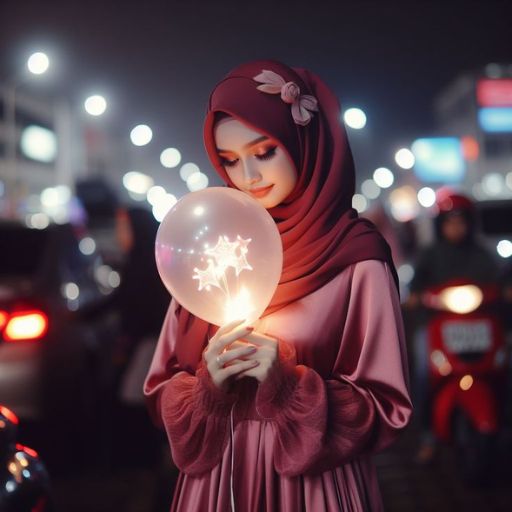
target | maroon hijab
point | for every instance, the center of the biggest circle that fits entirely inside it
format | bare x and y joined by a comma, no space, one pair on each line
320,231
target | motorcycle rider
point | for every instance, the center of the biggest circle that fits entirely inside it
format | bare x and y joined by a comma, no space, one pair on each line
454,254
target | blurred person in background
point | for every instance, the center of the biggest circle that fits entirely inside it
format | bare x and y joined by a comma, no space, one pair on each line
454,254
140,303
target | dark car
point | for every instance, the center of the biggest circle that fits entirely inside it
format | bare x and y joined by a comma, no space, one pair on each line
52,364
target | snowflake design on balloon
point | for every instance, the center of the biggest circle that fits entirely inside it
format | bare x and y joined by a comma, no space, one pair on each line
224,255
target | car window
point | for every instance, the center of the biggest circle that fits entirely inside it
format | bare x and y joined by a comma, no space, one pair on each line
22,250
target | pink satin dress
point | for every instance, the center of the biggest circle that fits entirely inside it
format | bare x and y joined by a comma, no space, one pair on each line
303,439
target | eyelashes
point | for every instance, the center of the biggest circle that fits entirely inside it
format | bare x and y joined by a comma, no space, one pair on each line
228,163
270,153
267,155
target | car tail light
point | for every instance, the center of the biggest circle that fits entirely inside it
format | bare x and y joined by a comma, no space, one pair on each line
26,325
3,319
9,414
27,450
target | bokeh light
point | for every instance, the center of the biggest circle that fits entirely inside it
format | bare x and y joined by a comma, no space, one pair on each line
404,204
141,135
404,158
187,170
355,118
370,189
197,181
95,105
359,202
155,194
38,63
504,248
426,197
383,177
137,182
170,157
163,205
38,143
493,184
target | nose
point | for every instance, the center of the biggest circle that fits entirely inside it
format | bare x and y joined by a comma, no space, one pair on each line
251,173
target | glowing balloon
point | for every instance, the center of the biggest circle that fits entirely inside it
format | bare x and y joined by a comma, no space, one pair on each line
219,253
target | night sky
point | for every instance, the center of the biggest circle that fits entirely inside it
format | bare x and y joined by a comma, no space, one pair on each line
157,61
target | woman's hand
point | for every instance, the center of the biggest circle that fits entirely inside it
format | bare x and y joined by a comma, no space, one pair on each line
266,354
223,363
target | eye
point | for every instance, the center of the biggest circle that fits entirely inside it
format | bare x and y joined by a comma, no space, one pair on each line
268,154
226,162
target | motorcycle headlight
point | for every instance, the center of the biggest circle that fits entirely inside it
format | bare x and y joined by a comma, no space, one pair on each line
461,299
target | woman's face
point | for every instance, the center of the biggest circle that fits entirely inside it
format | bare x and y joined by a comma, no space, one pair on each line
256,164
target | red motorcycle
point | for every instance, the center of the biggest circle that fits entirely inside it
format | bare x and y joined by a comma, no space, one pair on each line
467,371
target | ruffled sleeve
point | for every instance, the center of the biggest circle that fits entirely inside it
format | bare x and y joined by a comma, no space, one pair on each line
193,411
362,406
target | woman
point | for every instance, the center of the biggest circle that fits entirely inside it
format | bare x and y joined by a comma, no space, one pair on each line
285,415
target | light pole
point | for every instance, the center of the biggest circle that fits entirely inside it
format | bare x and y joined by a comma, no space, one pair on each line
37,64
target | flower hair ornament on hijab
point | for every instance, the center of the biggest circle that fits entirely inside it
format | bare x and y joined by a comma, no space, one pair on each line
302,104
320,231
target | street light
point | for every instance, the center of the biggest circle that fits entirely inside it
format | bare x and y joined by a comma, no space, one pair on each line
38,63
355,118
404,158
95,105
141,135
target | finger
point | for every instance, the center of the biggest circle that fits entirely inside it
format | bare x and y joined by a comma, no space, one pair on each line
234,369
229,327
251,372
232,355
261,339
239,344
227,339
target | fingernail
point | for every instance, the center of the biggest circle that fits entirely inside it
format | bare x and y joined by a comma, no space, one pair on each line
256,363
252,350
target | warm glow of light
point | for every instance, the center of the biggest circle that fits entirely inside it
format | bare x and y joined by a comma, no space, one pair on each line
404,204
198,211
28,325
141,135
95,105
461,299
404,158
38,63
466,382
240,307
355,118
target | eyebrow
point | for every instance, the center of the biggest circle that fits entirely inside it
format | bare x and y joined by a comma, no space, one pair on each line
248,145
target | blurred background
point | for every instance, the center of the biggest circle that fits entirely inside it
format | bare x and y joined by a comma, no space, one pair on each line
101,110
